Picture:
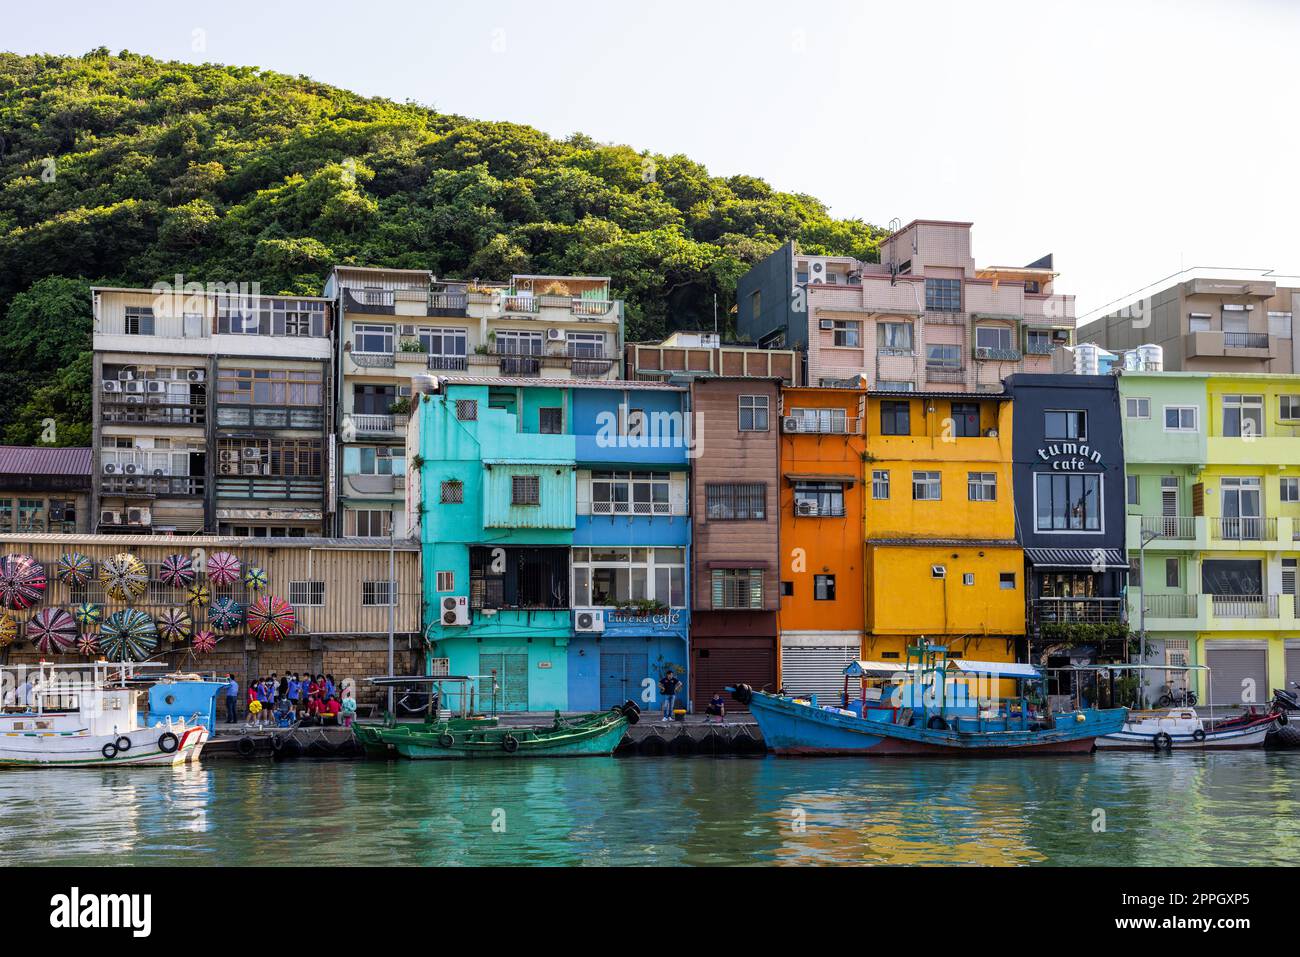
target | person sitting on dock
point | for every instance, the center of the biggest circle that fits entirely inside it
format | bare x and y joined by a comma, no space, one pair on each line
668,688
717,708
330,711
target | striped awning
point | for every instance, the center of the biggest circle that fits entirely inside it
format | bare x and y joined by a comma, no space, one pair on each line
1095,559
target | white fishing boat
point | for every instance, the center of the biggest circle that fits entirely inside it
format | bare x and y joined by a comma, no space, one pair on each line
1177,728
88,715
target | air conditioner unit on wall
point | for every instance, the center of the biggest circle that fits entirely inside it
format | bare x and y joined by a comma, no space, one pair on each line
455,610
826,324
251,453
156,385
107,517
407,330
789,424
816,272
805,508
554,335
195,375
228,468
589,620
135,386
229,455
112,386
138,516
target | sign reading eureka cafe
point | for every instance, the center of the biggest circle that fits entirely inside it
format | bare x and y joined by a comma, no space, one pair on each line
1079,456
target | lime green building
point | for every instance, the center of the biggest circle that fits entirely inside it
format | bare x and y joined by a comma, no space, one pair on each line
1213,504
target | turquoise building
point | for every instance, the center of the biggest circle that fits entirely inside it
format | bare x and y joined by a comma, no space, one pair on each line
553,523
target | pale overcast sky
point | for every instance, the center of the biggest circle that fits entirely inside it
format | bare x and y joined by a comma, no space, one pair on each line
1129,139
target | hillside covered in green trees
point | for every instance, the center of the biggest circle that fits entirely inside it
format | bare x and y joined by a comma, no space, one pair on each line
128,170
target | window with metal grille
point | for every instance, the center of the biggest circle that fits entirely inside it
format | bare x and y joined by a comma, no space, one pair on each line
139,321
446,581
736,503
753,413
306,593
982,486
927,486
880,483
502,577
453,492
467,409
637,493
943,295
824,587
824,499
525,490
378,593
550,421
737,588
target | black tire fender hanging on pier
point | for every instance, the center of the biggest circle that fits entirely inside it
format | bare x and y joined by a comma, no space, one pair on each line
168,742
246,746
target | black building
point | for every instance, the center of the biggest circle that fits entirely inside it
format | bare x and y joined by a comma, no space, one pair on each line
1068,470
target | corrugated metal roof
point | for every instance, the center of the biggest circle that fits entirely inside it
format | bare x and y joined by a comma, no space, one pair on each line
43,460
234,541
1099,559
517,381
1007,668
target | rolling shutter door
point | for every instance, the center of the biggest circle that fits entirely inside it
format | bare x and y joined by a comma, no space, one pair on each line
718,664
1230,668
1292,662
816,669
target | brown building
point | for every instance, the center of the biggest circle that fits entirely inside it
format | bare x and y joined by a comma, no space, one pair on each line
735,491
44,489
1208,324
337,587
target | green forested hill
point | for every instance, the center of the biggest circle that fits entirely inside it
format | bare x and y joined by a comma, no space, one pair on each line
124,169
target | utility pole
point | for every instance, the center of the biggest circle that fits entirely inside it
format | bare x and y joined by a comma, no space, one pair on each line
392,599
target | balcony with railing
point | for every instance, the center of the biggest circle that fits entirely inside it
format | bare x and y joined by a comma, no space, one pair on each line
949,375
116,409
1213,343
311,418
1176,606
559,306
373,360
366,424
1248,529
1246,606
446,363
271,487
152,486
797,424
1077,610
1177,527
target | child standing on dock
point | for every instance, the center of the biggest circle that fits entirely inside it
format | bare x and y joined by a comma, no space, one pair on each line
349,709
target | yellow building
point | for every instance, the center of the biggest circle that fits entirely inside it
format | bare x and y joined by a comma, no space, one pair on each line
942,561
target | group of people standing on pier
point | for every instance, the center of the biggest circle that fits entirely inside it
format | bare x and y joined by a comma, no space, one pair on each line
283,699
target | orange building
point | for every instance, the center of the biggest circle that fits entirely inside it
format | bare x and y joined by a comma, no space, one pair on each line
822,549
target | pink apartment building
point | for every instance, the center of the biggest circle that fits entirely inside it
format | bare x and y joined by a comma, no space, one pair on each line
925,318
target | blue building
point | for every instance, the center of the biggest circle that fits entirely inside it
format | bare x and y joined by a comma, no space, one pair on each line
631,542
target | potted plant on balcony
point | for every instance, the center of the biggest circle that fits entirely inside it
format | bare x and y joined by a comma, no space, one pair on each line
412,345
400,407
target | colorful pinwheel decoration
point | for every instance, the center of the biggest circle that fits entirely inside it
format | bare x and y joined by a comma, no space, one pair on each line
175,624
8,630
128,635
204,641
88,645
123,576
271,618
223,568
225,614
88,614
254,578
22,581
53,630
176,571
74,569
199,593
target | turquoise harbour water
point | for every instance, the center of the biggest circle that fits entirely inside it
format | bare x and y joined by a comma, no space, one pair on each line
1179,809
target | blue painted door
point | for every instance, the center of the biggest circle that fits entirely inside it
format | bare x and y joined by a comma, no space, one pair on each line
621,675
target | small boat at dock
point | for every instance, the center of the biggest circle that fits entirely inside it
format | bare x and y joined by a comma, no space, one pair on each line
88,715
461,734
932,705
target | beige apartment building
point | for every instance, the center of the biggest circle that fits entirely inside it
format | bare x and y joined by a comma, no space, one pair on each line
210,410
395,323
1208,324
924,318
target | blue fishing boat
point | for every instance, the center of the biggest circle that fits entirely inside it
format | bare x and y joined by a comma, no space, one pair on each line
931,705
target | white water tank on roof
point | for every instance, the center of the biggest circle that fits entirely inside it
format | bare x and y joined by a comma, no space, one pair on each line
1087,359
1151,358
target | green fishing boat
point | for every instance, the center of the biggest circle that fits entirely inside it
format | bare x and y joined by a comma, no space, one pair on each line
465,735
